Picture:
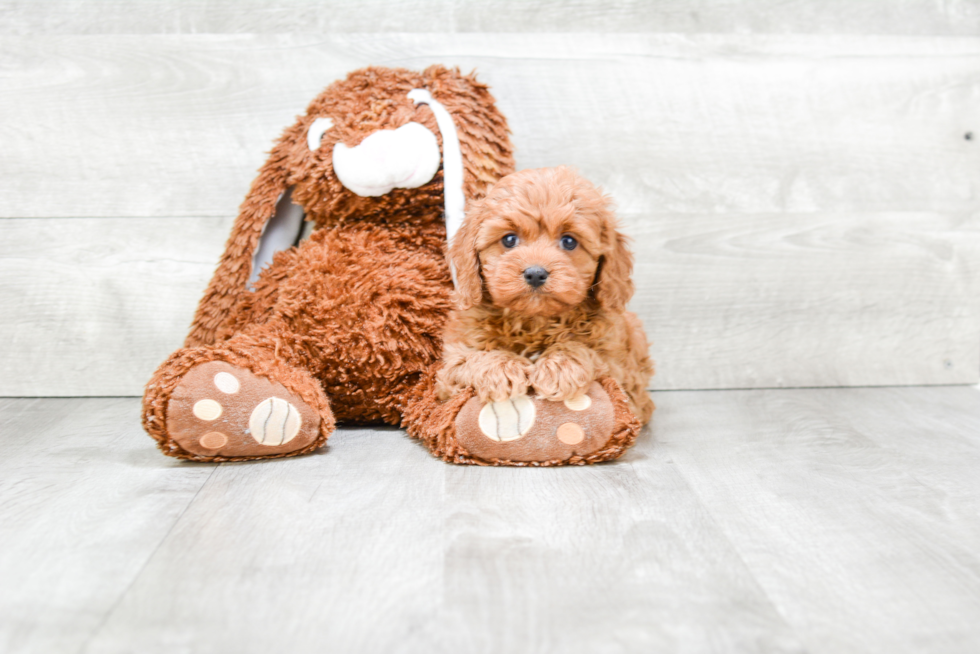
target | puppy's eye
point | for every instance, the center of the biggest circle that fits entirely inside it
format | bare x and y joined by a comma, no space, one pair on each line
509,241
568,242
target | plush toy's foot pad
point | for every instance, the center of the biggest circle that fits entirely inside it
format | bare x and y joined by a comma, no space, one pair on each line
530,429
222,410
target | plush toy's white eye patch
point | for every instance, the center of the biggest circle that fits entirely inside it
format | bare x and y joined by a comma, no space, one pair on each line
316,132
407,157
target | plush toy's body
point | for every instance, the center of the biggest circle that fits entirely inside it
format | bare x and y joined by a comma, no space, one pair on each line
294,334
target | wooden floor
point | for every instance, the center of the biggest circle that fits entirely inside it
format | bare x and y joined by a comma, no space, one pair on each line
831,520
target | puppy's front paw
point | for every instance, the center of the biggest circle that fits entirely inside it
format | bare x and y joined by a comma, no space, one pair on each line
559,378
495,376
505,378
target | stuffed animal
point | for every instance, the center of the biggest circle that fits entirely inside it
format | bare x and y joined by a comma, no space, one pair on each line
331,297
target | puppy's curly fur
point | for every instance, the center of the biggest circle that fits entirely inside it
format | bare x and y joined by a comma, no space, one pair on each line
507,335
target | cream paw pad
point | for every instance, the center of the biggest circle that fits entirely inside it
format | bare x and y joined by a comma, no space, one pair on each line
274,421
222,410
507,420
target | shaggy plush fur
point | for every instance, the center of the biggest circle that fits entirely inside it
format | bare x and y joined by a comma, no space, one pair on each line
434,422
351,319
508,336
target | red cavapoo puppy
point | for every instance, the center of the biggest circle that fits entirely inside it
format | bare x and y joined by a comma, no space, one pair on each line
543,278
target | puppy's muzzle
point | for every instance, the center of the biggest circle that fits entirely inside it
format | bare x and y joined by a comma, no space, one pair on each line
535,276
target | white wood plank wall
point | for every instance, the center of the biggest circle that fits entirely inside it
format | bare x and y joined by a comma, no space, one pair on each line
933,17
802,179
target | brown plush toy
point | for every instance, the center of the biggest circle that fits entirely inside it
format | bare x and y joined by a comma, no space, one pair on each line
330,299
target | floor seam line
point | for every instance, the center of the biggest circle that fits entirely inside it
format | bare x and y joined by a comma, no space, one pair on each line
139,573
762,589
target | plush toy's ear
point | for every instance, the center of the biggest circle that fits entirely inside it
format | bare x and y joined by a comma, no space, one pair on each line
465,261
266,216
614,281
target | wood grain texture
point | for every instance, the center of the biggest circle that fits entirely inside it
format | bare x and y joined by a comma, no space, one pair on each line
93,306
127,125
22,17
608,558
809,299
748,301
825,493
329,540
805,208
86,500
822,520
374,546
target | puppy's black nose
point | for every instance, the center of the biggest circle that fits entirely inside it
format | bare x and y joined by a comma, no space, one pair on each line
535,276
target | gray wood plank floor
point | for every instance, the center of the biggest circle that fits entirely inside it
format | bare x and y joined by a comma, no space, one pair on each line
817,520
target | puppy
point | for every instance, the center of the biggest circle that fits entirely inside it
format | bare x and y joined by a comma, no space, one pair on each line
543,278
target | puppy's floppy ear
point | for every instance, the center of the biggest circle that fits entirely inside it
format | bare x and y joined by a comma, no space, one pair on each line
614,279
466,261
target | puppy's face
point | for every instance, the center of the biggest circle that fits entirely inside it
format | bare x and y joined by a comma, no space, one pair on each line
537,242
539,262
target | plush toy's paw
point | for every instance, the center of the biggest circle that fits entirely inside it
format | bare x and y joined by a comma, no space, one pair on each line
532,429
221,410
